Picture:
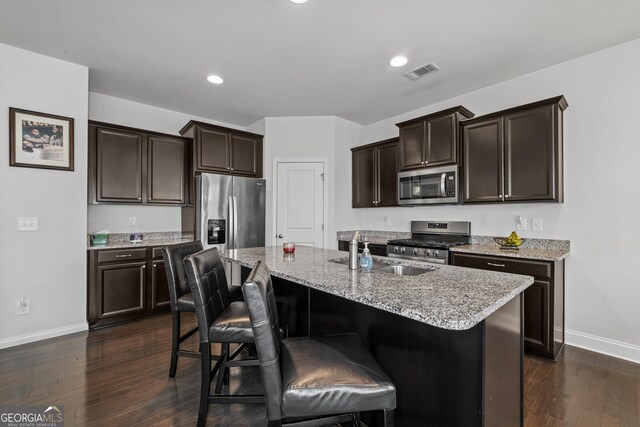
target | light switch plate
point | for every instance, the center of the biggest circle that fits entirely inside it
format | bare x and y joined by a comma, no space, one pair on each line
536,224
27,223
132,220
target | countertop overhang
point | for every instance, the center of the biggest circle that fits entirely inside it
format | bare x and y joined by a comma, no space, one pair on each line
454,298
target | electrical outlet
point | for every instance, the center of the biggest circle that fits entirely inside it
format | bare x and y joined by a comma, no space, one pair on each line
536,224
27,223
521,223
23,306
132,220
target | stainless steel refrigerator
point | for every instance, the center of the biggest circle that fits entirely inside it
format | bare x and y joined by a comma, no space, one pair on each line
230,214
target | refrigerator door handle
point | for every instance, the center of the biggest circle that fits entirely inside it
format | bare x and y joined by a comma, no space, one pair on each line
231,228
235,221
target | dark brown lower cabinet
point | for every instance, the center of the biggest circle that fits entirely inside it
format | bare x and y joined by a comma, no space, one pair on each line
374,248
543,300
125,285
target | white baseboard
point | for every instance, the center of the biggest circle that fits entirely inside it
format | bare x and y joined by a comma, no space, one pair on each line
606,346
42,335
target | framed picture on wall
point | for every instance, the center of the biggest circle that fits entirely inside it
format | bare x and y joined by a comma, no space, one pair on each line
39,140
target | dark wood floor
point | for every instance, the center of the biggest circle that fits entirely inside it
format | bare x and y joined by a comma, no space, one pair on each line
119,377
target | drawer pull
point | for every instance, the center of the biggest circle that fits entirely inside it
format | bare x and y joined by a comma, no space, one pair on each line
123,256
495,265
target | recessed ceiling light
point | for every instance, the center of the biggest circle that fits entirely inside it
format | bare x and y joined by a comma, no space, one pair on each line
398,61
216,80
298,1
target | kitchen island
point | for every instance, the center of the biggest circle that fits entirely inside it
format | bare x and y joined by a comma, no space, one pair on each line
450,338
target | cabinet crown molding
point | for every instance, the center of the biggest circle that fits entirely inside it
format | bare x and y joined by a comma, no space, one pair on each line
459,109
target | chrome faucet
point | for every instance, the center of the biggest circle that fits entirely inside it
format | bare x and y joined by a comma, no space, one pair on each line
353,251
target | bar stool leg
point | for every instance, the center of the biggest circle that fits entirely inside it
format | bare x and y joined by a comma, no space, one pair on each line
175,343
388,417
205,383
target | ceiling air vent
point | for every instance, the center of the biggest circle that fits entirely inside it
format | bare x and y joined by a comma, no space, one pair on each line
421,71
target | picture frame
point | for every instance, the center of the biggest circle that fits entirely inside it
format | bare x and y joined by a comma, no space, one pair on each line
40,140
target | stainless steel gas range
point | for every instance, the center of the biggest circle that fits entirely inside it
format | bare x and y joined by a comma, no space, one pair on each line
430,241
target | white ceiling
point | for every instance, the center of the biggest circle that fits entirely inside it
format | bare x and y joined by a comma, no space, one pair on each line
326,57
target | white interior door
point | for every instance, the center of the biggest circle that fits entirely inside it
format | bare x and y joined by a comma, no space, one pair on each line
300,203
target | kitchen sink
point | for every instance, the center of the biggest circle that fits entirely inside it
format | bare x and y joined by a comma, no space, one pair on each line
403,270
400,270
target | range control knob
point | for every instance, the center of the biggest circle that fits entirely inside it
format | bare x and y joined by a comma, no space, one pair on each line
415,251
395,249
402,250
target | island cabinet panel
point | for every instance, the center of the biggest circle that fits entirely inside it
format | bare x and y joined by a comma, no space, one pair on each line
515,155
375,174
431,140
128,165
165,170
217,149
125,285
443,377
118,165
543,300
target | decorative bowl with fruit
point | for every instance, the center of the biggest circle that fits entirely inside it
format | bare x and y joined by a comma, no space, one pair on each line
512,242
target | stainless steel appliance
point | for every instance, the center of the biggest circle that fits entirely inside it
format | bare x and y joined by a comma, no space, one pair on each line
230,214
430,241
428,186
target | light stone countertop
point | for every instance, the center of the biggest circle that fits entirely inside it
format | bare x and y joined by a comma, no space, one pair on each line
447,297
541,254
121,240
538,249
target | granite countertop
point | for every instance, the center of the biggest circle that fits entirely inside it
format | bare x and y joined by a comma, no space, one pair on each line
448,297
538,249
121,240
374,236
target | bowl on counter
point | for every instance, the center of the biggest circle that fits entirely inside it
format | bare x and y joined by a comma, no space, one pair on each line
502,242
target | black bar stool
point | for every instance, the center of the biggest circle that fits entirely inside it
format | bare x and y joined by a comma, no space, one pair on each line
219,321
312,381
180,296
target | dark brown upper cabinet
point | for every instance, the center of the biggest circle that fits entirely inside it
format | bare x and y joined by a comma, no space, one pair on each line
227,151
165,170
431,140
375,174
515,155
128,165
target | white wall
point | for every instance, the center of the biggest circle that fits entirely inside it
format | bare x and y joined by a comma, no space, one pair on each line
300,138
602,202
47,266
123,112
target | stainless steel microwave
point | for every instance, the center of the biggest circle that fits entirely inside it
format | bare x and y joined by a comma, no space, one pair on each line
428,186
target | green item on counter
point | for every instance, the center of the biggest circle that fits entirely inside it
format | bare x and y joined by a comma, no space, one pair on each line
99,239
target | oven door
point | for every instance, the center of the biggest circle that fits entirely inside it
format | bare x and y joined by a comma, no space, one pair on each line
428,186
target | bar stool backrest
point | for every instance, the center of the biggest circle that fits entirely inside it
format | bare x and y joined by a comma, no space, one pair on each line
208,282
173,262
261,303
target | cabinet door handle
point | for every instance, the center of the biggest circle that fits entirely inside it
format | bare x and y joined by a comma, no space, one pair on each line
495,265
139,198
144,267
507,196
155,265
231,168
123,256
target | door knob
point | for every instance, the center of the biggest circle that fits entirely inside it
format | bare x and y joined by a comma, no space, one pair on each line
280,236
